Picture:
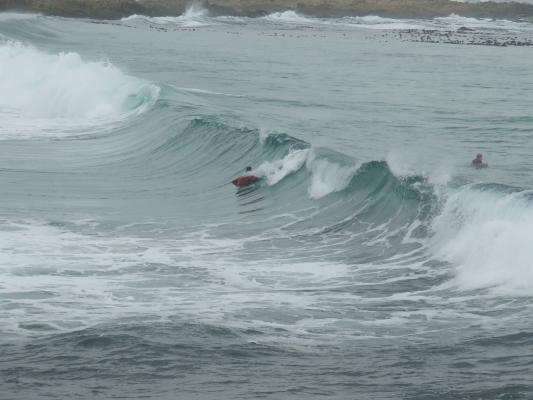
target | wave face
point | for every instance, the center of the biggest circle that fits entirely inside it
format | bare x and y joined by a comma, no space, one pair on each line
370,261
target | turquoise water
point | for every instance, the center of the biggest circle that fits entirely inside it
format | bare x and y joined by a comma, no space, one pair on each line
371,261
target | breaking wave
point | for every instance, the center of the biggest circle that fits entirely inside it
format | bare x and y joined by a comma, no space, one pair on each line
44,92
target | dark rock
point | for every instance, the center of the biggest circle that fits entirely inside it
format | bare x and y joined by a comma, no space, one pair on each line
114,9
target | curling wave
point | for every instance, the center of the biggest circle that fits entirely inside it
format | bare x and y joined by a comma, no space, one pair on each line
480,230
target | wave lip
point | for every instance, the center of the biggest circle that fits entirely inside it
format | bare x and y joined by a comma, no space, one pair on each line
54,92
327,177
275,171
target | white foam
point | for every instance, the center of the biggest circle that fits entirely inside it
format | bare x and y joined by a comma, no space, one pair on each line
400,165
14,16
327,177
487,236
41,93
454,22
194,16
263,135
207,92
380,23
84,279
366,22
275,171
69,280
294,19
405,166
134,17
290,17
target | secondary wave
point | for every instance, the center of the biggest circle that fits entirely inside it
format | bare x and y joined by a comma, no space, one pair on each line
52,93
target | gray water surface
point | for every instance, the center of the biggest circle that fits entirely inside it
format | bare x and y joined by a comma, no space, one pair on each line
371,262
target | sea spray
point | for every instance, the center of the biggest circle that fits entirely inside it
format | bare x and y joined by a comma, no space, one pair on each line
276,170
486,234
194,16
327,176
62,89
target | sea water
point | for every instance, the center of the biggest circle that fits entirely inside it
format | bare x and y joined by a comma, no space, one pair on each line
370,262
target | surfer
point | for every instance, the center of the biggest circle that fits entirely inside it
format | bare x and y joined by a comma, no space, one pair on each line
478,161
247,179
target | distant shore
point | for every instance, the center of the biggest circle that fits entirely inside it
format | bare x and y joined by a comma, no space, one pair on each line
115,9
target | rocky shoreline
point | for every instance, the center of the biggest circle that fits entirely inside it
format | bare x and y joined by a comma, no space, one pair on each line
462,36
115,9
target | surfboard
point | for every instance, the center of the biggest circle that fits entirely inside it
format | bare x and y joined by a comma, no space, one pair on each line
244,180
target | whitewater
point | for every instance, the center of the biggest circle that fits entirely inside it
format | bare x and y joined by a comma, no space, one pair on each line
371,261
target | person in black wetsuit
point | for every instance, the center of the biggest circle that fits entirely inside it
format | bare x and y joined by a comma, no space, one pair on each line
478,161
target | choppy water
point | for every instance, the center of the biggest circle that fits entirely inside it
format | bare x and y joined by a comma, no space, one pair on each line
371,262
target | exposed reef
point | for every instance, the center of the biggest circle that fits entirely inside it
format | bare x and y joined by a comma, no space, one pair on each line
461,36
114,9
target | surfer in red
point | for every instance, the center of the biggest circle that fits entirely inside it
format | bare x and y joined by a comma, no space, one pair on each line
247,179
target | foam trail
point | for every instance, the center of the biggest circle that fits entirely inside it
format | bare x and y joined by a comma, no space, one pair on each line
486,234
277,170
43,91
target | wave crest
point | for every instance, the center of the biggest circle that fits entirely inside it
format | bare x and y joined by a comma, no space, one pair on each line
48,92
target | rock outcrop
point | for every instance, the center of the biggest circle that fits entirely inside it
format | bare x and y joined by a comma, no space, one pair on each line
113,9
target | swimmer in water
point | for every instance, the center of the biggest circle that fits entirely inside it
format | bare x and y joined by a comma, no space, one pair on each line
478,162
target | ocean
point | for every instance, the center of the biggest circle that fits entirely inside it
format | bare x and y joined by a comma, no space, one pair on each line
371,261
